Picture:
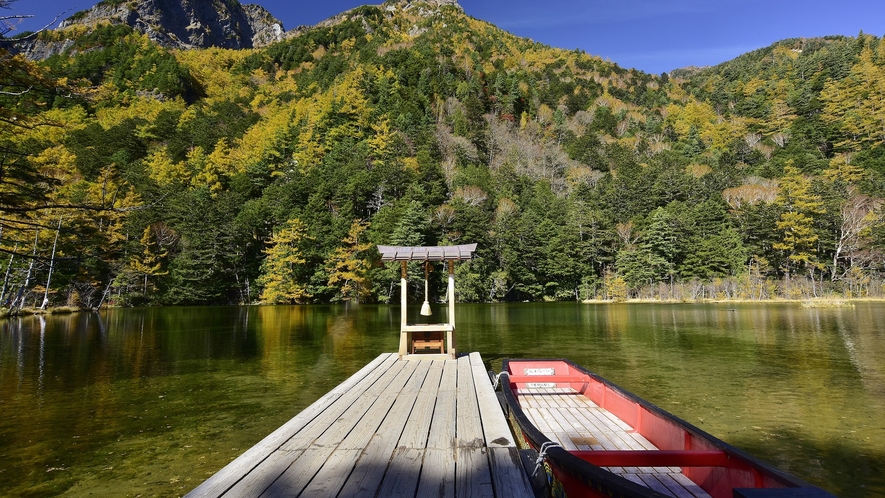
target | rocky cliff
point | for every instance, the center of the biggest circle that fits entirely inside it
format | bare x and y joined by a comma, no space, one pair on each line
176,24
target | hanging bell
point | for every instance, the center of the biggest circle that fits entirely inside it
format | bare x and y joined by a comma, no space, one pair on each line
425,308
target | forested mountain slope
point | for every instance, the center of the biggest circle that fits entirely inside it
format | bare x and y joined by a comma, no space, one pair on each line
266,175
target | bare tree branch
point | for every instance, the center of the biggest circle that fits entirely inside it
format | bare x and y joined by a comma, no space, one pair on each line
6,26
17,94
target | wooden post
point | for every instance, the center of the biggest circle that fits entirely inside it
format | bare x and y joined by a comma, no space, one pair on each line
450,346
403,335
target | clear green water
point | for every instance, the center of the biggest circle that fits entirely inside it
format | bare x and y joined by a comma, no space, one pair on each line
149,402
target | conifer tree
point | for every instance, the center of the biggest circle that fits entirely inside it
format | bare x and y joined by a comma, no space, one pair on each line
281,273
349,264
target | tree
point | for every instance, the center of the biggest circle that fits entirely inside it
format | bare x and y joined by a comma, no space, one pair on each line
860,214
6,24
153,257
349,265
639,266
796,223
857,103
282,277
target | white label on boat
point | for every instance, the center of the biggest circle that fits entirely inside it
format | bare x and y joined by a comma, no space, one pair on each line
540,385
539,371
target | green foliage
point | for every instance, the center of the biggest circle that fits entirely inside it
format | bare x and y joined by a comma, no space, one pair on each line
129,60
219,176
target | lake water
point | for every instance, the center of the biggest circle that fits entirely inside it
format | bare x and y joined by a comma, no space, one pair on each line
152,401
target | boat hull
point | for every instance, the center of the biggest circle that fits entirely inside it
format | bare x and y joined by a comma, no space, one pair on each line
712,465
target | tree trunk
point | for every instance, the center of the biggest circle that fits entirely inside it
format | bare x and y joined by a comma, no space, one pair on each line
21,293
51,266
6,277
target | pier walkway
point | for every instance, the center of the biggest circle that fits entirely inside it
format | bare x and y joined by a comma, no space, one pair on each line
395,428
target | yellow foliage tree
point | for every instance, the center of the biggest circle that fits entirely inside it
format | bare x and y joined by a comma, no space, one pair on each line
280,270
797,222
162,169
150,262
349,265
856,103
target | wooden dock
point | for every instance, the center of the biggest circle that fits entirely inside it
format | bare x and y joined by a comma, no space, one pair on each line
395,428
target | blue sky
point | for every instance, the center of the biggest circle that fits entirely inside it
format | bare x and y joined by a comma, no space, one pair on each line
651,35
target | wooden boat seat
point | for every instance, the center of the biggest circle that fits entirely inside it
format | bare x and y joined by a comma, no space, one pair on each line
655,458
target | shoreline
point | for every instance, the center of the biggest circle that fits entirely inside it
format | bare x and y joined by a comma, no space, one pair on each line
808,302
817,302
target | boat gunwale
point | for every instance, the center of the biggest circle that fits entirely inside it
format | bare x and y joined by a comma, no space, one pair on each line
580,469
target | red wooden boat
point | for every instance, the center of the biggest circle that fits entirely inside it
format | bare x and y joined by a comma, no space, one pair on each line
597,439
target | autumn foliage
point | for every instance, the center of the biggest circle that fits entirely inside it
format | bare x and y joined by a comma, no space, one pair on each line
268,175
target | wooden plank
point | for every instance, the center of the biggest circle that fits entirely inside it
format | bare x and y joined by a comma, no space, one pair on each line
404,388
508,476
367,474
690,485
417,428
653,483
676,489
403,474
318,440
494,425
473,475
377,466
339,417
333,475
468,427
442,427
225,478
294,478
473,469
404,470
373,465
375,459
437,474
254,483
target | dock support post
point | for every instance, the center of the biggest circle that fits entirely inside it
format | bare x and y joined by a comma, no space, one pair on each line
403,335
450,336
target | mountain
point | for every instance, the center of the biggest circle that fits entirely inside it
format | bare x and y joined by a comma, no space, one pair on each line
220,175
180,24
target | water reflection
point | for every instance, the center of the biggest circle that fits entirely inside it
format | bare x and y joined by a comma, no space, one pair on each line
152,401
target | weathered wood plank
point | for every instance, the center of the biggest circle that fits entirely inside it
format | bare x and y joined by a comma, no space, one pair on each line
508,476
438,473
442,427
402,391
333,474
417,428
295,477
494,425
254,483
652,482
396,428
473,473
689,485
676,488
403,473
370,470
468,426
472,468
332,425
225,478
356,428
338,419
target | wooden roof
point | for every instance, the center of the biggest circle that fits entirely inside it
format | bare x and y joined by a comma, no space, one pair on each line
432,253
